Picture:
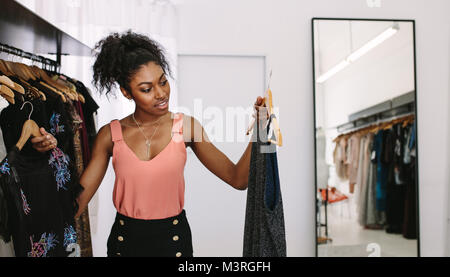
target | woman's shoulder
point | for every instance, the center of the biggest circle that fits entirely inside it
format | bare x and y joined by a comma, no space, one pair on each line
192,128
105,131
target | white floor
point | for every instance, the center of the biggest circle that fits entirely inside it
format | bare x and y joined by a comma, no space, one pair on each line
349,239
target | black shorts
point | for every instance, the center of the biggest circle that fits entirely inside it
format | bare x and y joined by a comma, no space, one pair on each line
169,237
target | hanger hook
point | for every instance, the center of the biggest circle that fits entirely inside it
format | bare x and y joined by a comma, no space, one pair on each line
270,78
29,116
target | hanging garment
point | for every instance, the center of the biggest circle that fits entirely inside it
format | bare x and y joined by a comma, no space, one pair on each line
88,109
82,222
340,158
381,171
39,188
363,170
410,219
6,249
394,190
39,212
353,160
264,230
374,218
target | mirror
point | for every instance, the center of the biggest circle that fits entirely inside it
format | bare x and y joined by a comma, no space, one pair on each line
365,138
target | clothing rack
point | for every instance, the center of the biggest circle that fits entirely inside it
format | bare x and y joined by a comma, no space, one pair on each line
397,107
378,122
46,63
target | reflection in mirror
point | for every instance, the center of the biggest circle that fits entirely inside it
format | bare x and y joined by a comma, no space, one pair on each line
366,169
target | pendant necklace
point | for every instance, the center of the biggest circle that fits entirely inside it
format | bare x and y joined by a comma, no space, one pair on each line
147,141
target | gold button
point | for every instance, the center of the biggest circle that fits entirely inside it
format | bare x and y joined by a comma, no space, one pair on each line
122,222
178,254
175,238
175,222
120,238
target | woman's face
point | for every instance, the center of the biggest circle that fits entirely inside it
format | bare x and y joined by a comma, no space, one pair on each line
149,88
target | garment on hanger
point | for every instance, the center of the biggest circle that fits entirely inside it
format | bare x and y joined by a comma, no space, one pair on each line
55,174
264,230
353,160
82,222
381,178
340,158
410,208
40,216
395,190
6,248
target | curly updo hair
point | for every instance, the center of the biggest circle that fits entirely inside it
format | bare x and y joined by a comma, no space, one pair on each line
121,55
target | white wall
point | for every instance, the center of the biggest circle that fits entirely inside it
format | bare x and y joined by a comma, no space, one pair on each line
282,31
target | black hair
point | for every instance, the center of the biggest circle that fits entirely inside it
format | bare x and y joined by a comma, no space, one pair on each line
121,55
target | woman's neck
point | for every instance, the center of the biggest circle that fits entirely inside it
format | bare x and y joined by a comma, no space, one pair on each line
144,118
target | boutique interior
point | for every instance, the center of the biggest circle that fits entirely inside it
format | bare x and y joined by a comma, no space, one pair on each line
360,91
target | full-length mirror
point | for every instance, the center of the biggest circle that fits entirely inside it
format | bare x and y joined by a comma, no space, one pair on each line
365,138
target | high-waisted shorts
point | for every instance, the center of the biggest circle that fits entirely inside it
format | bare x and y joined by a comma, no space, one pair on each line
169,237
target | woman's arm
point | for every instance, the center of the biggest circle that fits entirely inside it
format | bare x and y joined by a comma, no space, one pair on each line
95,171
217,162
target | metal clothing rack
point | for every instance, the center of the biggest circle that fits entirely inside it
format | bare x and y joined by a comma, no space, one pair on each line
397,107
47,64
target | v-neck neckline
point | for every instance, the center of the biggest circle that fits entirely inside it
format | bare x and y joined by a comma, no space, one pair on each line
160,152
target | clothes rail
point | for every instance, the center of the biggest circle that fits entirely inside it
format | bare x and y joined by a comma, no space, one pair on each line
46,63
378,122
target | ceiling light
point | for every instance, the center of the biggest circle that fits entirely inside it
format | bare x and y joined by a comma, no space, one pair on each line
359,52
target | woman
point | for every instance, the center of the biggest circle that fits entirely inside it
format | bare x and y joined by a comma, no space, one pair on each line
148,150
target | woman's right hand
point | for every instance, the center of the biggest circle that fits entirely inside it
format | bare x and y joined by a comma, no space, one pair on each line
45,142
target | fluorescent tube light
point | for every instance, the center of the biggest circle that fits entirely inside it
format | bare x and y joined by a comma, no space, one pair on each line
333,71
359,52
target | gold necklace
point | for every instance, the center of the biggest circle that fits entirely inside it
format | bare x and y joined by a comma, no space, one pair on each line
147,141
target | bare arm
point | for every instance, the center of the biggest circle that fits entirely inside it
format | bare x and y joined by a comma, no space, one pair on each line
95,171
217,162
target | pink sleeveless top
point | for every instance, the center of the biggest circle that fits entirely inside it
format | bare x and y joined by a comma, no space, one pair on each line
151,189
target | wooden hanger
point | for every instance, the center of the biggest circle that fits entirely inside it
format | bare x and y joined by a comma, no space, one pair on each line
6,81
81,98
55,91
27,70
11,84
35,91
71,89
16,70
29,129
62,86
35,70
5,90
7,93
278,138
5,68
50,83
273,120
